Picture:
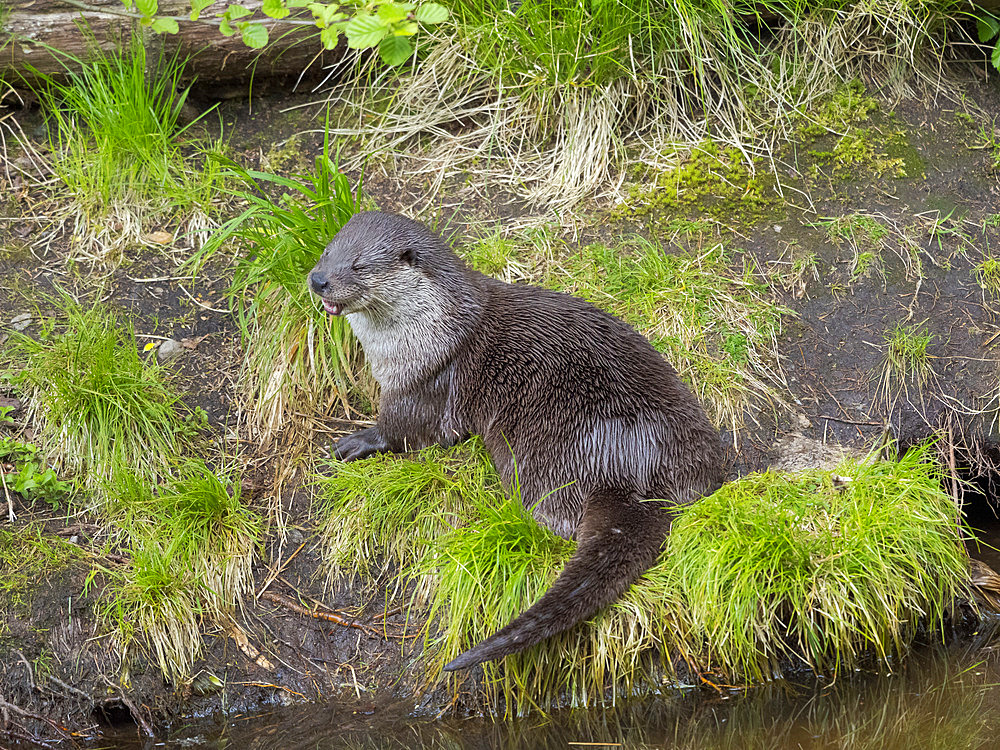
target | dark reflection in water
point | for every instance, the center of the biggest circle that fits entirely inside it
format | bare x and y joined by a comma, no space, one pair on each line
943,698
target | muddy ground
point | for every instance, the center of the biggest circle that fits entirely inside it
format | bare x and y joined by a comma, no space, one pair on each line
64,679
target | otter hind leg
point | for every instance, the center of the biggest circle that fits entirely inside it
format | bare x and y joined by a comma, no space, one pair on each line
620,536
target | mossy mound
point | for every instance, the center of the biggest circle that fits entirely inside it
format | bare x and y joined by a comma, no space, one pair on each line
824,569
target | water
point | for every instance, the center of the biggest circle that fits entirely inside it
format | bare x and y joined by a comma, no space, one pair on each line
941,698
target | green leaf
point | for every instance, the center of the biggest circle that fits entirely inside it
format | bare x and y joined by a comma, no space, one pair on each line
224,28
236,11
996,56
389,13
395,50
274,9
197,6
165,26
988,27
298,3
146,7
329,36
364,30
406,28
431,13
325,13
254,35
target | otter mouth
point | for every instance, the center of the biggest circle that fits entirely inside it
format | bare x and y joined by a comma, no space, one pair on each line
333,308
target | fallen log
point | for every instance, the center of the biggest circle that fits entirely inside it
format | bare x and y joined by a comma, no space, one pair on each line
30,29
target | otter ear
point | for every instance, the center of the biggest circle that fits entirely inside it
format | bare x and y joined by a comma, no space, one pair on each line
408,256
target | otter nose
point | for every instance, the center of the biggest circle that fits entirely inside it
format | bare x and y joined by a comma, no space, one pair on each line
317,282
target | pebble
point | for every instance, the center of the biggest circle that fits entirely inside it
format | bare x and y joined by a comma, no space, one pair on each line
169,350
20,322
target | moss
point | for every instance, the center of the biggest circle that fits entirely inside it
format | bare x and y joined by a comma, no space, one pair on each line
843,109
294,156
850,125
712,180
27,557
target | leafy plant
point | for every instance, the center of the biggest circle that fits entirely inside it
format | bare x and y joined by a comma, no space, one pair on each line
386,25
988,29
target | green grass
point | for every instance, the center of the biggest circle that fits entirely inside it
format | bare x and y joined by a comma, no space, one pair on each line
833,569
906,358
988,275
715,322
98,405
299,361
192,543
120,151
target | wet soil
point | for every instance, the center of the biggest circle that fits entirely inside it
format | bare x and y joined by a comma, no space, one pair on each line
64,678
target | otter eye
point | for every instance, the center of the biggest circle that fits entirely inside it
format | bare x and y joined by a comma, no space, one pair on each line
407,256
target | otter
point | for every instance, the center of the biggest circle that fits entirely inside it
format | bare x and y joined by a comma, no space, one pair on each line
601,436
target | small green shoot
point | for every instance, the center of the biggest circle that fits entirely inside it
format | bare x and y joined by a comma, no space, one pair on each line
906,359
988,275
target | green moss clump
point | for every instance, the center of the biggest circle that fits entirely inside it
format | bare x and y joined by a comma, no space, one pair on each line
826,568
713,180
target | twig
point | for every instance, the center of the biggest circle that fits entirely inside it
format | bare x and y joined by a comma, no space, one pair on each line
850,421
333,617
280,569
70,688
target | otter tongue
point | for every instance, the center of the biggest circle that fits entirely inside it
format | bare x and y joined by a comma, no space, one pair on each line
331,308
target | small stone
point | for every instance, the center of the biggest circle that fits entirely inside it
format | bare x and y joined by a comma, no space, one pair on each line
20,322
777,228
169,350
159,238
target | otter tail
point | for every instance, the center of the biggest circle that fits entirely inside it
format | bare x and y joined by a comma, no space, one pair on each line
620,536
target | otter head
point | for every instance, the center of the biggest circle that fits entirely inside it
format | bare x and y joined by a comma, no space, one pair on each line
369,264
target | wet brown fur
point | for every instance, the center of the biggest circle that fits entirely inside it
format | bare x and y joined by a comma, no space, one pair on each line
597,430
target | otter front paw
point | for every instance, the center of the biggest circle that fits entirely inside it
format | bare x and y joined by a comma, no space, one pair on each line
360,444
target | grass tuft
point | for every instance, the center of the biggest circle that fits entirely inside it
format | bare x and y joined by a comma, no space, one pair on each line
120,150
192,544
988,275
298,360
830,569
99,405
906,359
